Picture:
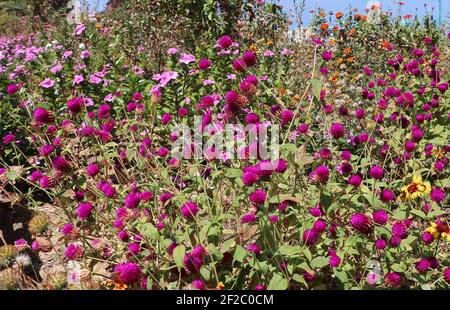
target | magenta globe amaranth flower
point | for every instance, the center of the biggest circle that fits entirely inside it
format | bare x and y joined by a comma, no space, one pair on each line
198,284
128,273
84,210
399,229
75,105
74,252
248,218
254,248
380,244
386,195
361,223
320,225
60,164
11,89
249,58
380,217
327,56
337,130
446,275
334,261
427,238
423,265
92,170
437,195
376,172
310,236
258,197
42,116
204,64
249,178
319,175
189,210
132,200
392,279
355,180
260,287
225,41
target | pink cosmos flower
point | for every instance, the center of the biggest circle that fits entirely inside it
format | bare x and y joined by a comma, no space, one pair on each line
47,83
77,79
187,58
79,29
56,69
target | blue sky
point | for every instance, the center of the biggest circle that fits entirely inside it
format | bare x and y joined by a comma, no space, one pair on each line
409,7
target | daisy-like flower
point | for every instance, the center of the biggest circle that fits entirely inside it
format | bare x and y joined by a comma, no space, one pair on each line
417,188
439,229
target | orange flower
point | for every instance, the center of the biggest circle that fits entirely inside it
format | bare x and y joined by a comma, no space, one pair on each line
351,59
339,15
296,97
364,18
385,43
324,26
331,42
220,286
321,14
347,50
340,60
335,28
352,32
357,16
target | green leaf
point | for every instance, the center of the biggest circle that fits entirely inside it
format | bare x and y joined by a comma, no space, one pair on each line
233,173
278,283
319,262
325,200
287,250
419,213
239,254
317,87
12,175
178,255
150,231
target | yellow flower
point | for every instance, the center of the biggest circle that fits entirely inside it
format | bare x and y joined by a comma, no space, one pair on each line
438,153
254,48
220,285
442,230
120,287
416,189
433,230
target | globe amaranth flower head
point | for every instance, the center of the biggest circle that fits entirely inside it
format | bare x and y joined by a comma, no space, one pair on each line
42,116
376,172
60,164
361,223
84,210
225,41
393,279
107,189
189,210
380,217
258,197
254,248
75,105
337,130
92,170
446,275
319,175
204,64
310,236
74,252
132,200
437,195
128,272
